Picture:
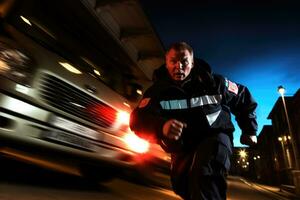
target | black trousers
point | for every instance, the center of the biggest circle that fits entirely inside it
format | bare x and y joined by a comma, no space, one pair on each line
201,174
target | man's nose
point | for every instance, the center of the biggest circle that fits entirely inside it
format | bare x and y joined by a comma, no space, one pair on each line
179,65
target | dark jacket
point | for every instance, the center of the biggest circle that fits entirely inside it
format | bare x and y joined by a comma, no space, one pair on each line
203,101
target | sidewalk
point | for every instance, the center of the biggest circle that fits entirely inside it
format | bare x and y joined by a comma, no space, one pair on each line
280,193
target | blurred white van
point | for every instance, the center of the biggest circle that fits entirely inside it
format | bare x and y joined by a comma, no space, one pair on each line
62,100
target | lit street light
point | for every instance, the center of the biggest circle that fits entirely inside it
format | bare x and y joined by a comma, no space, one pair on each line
243,153
291,137
281,90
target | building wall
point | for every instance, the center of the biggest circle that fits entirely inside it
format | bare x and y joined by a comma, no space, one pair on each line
283,152
266,161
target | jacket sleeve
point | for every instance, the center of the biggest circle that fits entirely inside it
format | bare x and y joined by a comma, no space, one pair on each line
146,120
241,103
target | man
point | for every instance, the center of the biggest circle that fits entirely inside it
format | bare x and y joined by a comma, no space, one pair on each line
187,111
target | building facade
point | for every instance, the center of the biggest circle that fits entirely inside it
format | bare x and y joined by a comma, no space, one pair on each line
279,144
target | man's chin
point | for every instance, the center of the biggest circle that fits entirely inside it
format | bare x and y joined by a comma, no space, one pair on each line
179,77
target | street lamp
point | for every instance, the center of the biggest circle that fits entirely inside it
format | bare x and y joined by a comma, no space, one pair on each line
281,90
243,153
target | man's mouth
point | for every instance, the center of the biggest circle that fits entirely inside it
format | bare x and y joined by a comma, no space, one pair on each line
179,74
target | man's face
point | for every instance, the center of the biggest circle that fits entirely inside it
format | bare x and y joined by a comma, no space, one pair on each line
179,64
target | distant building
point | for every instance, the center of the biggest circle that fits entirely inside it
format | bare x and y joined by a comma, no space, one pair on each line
268,160
295,119
278,145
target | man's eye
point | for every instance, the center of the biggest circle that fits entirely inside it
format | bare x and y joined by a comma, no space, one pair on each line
185,62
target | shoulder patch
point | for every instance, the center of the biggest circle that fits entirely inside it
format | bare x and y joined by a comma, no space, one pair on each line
232,87
144,102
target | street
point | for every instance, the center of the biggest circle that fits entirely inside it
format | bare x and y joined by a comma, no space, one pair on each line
21,182
239,188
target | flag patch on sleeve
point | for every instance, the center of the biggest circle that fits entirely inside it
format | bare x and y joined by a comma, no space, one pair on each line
144,102
232,87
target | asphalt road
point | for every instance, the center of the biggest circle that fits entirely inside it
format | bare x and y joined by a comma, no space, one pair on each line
19,182
25,182
240,189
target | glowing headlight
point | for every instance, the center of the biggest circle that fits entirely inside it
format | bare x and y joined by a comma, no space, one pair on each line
123,117
136,144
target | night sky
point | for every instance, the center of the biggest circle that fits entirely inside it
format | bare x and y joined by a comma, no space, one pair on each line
253,43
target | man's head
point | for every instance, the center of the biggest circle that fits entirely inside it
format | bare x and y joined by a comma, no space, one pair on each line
179,60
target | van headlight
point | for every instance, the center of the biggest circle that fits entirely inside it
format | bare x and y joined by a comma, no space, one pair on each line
14,63
135,143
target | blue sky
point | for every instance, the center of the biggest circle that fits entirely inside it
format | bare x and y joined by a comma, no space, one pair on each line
253,43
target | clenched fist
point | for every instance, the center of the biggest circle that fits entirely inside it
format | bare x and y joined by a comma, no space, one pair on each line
172,129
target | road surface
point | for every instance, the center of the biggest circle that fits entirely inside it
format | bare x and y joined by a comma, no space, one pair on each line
18,183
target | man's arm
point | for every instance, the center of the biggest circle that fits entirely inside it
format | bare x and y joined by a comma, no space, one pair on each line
243,106
146,119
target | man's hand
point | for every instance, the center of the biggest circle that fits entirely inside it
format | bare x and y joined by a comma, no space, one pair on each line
249,140
172,129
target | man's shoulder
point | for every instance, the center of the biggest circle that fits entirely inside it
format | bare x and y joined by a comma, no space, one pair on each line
202,65
218,77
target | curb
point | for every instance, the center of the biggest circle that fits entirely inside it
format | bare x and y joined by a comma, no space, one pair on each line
276,195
